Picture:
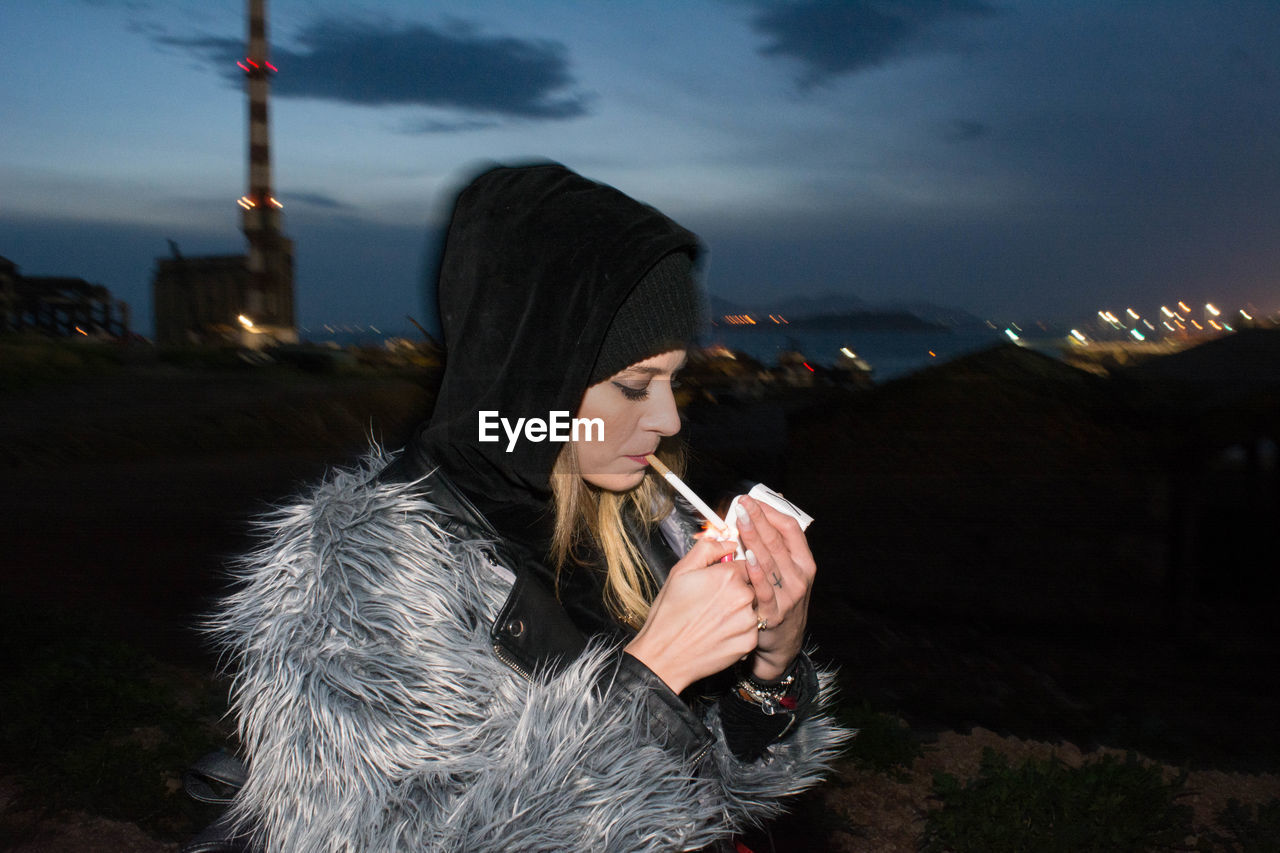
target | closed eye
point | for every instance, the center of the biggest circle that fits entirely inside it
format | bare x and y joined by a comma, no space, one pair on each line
632,393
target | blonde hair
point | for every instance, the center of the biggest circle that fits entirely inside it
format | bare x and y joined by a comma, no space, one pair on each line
585,514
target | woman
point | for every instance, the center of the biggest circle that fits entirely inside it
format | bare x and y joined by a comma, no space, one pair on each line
515,644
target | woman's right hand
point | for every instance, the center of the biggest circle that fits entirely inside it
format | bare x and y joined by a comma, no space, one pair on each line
702,621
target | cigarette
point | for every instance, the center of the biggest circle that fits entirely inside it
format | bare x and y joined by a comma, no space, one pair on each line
707,512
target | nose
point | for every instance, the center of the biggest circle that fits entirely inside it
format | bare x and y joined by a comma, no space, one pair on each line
661,414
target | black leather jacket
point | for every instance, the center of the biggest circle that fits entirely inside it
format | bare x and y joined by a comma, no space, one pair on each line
533,632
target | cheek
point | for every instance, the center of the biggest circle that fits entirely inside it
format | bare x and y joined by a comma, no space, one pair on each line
621,419
619,430
615,433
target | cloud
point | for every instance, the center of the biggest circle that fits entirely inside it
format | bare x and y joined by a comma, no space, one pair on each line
130,5
835,37
435,125
318,200
412,65
964,130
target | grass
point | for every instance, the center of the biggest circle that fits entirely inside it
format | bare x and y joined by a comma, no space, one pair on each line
1246,829
884,743
28,362
89,723
1112,805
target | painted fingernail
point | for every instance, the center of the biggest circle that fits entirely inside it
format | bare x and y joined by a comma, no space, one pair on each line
752,560
744,520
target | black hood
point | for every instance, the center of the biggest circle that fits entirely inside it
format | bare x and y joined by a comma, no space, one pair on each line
536,263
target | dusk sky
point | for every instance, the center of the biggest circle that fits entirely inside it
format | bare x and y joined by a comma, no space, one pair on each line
1022,159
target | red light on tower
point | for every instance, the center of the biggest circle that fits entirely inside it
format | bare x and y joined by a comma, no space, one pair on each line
254,63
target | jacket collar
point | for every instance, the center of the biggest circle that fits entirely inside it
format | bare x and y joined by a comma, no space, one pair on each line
532,631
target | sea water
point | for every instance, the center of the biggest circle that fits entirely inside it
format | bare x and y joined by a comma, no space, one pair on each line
891,354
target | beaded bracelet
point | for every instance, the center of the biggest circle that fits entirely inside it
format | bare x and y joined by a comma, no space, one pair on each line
774,698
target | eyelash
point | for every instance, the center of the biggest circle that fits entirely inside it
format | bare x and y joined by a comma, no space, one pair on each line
630,393
638,394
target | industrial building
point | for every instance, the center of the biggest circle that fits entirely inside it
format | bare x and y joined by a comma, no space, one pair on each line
58,305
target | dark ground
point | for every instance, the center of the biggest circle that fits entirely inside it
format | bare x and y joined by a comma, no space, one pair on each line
999,541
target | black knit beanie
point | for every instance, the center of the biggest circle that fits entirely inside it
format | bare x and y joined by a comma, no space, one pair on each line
660,314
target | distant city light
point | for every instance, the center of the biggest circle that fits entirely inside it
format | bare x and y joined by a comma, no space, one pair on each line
848,352
1134,314
1208,306
1013,336
1165,311
1186,309
269,65
1075,333
245,321
1245,314
1138,335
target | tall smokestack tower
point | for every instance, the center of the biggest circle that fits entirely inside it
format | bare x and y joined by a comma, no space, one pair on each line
269,301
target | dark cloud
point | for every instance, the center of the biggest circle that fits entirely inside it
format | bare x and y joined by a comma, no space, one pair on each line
130,5
834,37
412,65
965,130
434,125
318,200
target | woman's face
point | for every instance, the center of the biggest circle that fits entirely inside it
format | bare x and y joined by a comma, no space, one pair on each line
637,408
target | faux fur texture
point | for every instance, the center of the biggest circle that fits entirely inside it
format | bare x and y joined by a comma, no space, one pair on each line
375,715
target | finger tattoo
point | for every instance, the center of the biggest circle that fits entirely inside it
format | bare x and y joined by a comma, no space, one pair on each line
777,581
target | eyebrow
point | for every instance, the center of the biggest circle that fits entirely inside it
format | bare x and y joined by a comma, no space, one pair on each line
654,371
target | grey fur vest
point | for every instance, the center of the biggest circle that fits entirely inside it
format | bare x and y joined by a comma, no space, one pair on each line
376,715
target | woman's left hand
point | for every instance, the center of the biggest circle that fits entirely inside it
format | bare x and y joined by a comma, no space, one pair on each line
782,574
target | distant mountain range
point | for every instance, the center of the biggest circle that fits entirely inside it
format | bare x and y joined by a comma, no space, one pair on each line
843,311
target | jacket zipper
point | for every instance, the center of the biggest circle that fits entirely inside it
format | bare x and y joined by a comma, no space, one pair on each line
497,650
